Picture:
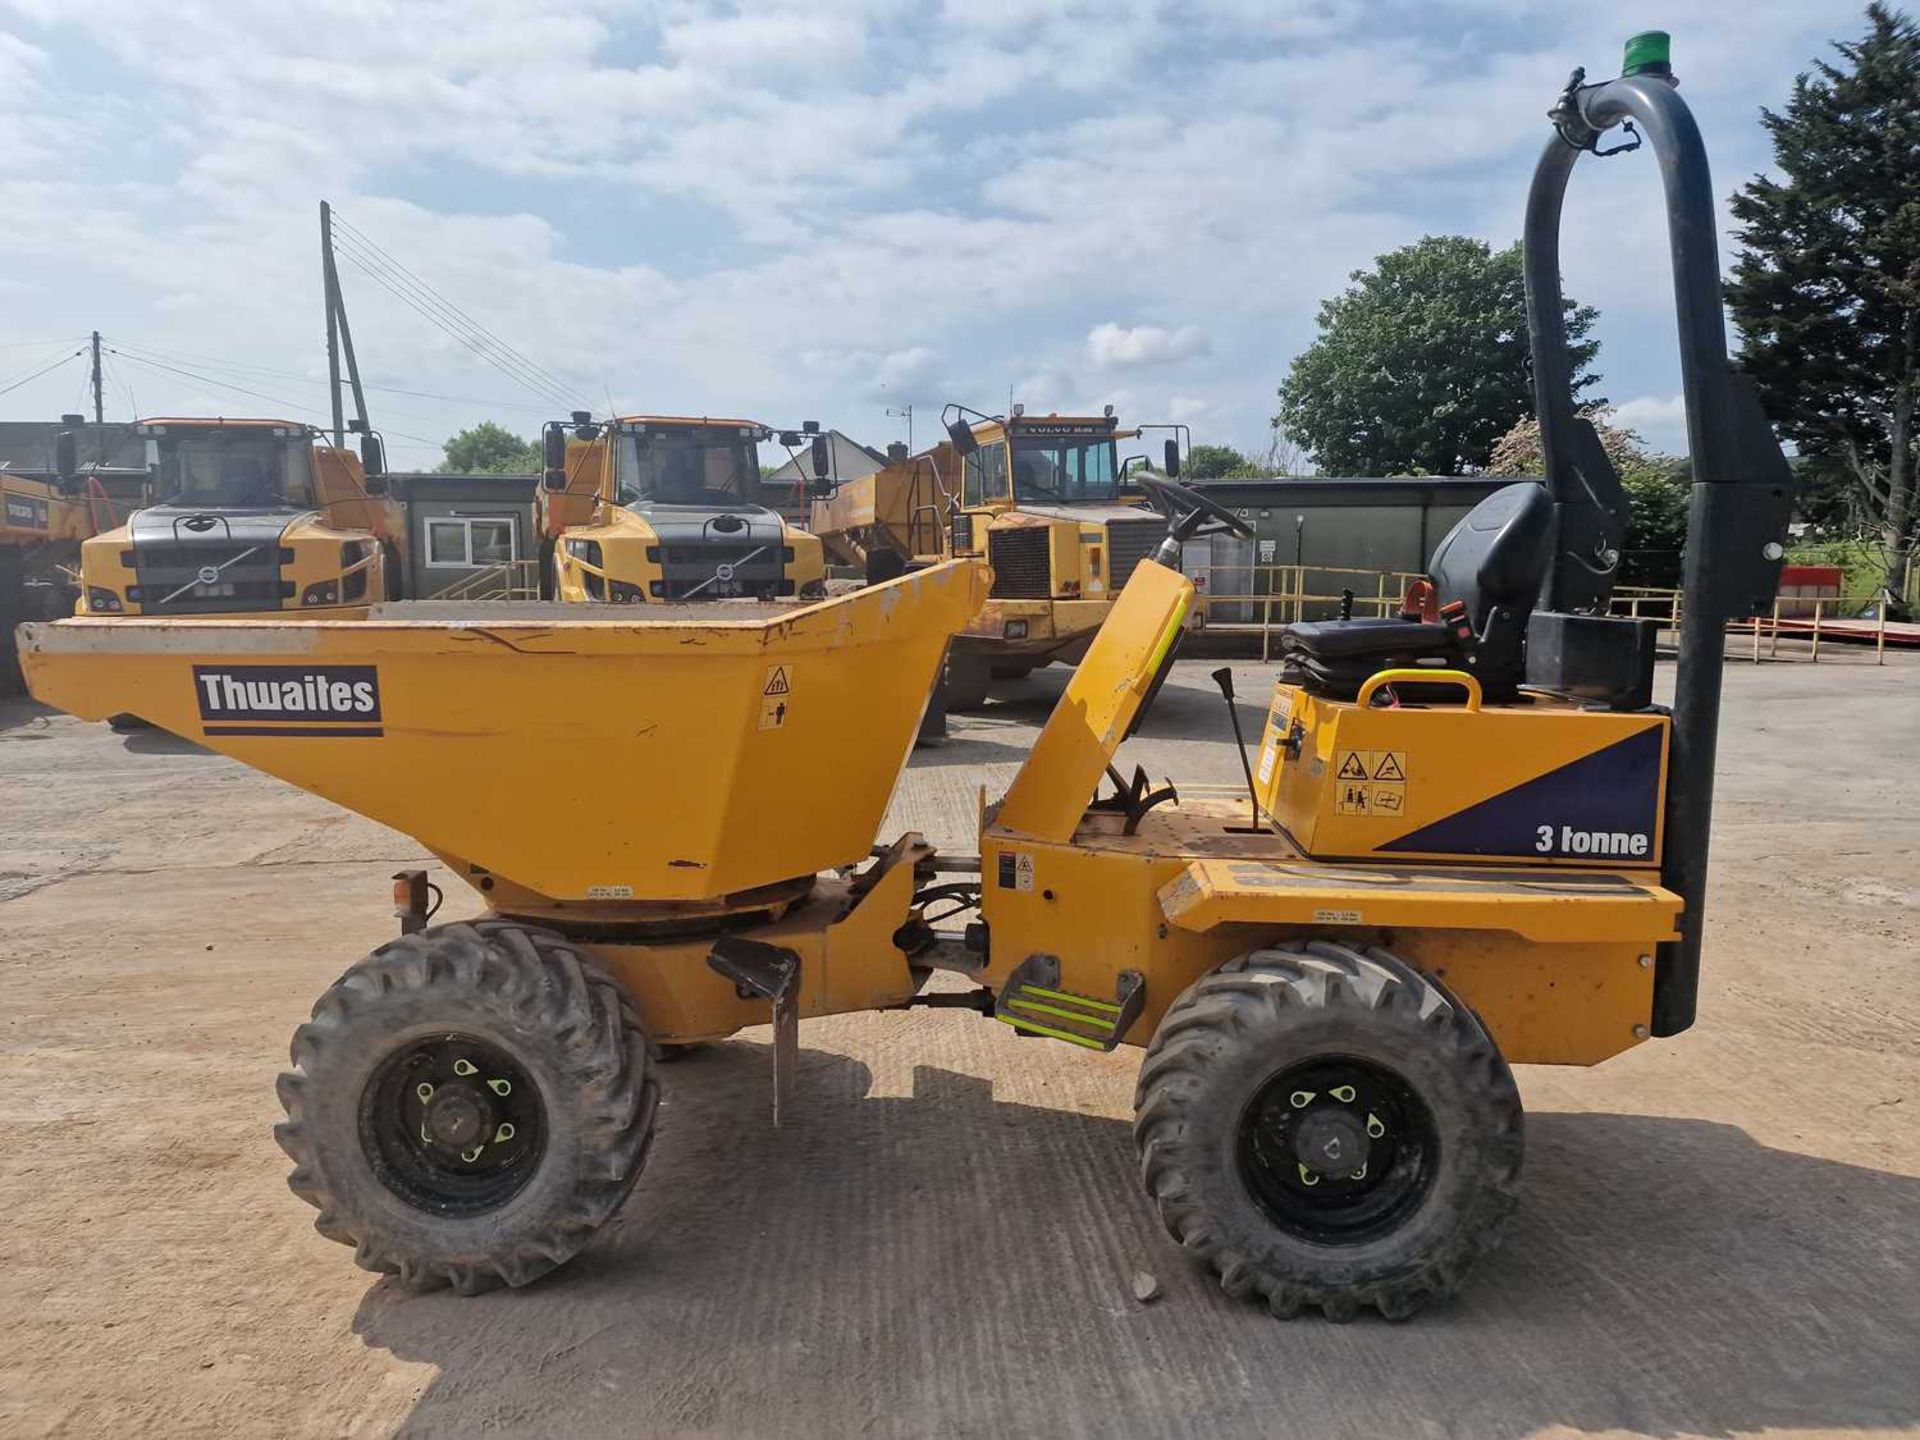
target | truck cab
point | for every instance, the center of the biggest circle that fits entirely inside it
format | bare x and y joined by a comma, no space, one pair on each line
649,508
250,517
1041,498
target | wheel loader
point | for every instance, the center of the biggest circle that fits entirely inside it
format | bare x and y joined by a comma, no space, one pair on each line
1465,844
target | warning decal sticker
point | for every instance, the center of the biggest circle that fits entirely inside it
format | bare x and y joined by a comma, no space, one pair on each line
1371,782
774,697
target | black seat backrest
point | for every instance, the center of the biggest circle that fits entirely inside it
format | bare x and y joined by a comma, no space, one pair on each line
1493,562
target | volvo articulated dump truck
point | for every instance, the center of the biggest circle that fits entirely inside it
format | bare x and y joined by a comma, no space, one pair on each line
250,517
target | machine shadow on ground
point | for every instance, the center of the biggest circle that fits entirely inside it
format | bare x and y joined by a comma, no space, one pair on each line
945,1263
24,719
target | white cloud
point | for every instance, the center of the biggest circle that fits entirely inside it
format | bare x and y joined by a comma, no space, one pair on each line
821,209
1127,347
1660,420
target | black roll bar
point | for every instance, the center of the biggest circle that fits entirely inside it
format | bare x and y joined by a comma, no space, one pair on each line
1742,487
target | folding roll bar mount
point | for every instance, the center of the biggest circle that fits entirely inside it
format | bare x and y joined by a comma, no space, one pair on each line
1742,486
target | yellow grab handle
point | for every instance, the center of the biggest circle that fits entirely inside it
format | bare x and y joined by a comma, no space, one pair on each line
1420,677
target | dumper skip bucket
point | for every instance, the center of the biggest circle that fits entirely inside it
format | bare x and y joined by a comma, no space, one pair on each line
684,758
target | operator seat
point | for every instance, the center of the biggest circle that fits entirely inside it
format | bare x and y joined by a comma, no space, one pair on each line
1487,574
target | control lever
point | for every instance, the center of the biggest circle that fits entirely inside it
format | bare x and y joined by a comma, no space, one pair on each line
1223,677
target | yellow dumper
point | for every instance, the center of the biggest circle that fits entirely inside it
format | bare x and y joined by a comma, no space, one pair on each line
1462,845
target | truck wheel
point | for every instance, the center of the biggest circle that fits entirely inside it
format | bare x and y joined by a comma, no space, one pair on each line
967,678
1324,1125
468,1105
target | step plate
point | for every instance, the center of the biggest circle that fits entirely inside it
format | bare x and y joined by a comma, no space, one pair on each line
1033,1002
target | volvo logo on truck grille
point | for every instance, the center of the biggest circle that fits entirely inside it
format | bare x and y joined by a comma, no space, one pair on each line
310,700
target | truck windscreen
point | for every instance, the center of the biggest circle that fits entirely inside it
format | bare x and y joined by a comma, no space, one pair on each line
234,469
688,469
1050,469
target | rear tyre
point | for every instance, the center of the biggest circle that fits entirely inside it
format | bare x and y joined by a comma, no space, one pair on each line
1323,1125
884,565
468,1105
967,678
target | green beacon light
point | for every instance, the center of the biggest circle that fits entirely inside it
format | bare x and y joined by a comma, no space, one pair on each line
1649,53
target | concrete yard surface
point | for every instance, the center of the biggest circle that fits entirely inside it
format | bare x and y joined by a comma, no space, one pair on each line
1719,1234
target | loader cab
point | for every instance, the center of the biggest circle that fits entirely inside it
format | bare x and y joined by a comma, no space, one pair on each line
664,508
249,517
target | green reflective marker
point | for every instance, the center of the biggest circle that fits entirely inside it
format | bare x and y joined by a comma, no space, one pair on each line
1648,53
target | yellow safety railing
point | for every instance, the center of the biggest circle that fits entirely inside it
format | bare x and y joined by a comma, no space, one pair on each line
1281,596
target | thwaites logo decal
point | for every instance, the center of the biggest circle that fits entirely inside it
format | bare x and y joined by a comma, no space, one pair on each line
324,701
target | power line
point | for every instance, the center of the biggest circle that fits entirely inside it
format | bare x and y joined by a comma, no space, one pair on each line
243,368
298,407
354,233
425,311
430,310
138,353
36,374
203,379
113,375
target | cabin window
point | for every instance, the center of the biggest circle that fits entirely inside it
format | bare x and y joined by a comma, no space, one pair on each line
468,542
986,477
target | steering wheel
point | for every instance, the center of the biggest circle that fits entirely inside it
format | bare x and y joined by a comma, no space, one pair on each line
1191,514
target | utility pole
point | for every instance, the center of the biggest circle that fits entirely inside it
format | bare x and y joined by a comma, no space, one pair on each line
339,337
329,283
99,406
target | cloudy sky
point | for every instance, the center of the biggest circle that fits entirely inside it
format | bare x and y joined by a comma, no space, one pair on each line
830,210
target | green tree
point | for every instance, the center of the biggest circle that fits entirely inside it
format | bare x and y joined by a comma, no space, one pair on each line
1422,364
1826,291
1217,462
489,449
1657,486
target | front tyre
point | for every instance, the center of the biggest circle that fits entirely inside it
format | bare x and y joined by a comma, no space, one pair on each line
468,1105
1324,1125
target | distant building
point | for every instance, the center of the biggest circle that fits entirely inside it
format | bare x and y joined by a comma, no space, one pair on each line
1324,535
458,525
785,489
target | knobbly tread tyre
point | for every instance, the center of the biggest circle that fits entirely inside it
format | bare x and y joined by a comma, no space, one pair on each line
967,679
564,1019
1193,1090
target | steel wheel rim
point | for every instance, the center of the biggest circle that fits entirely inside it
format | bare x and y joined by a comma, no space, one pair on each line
1337,1150
452,1125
